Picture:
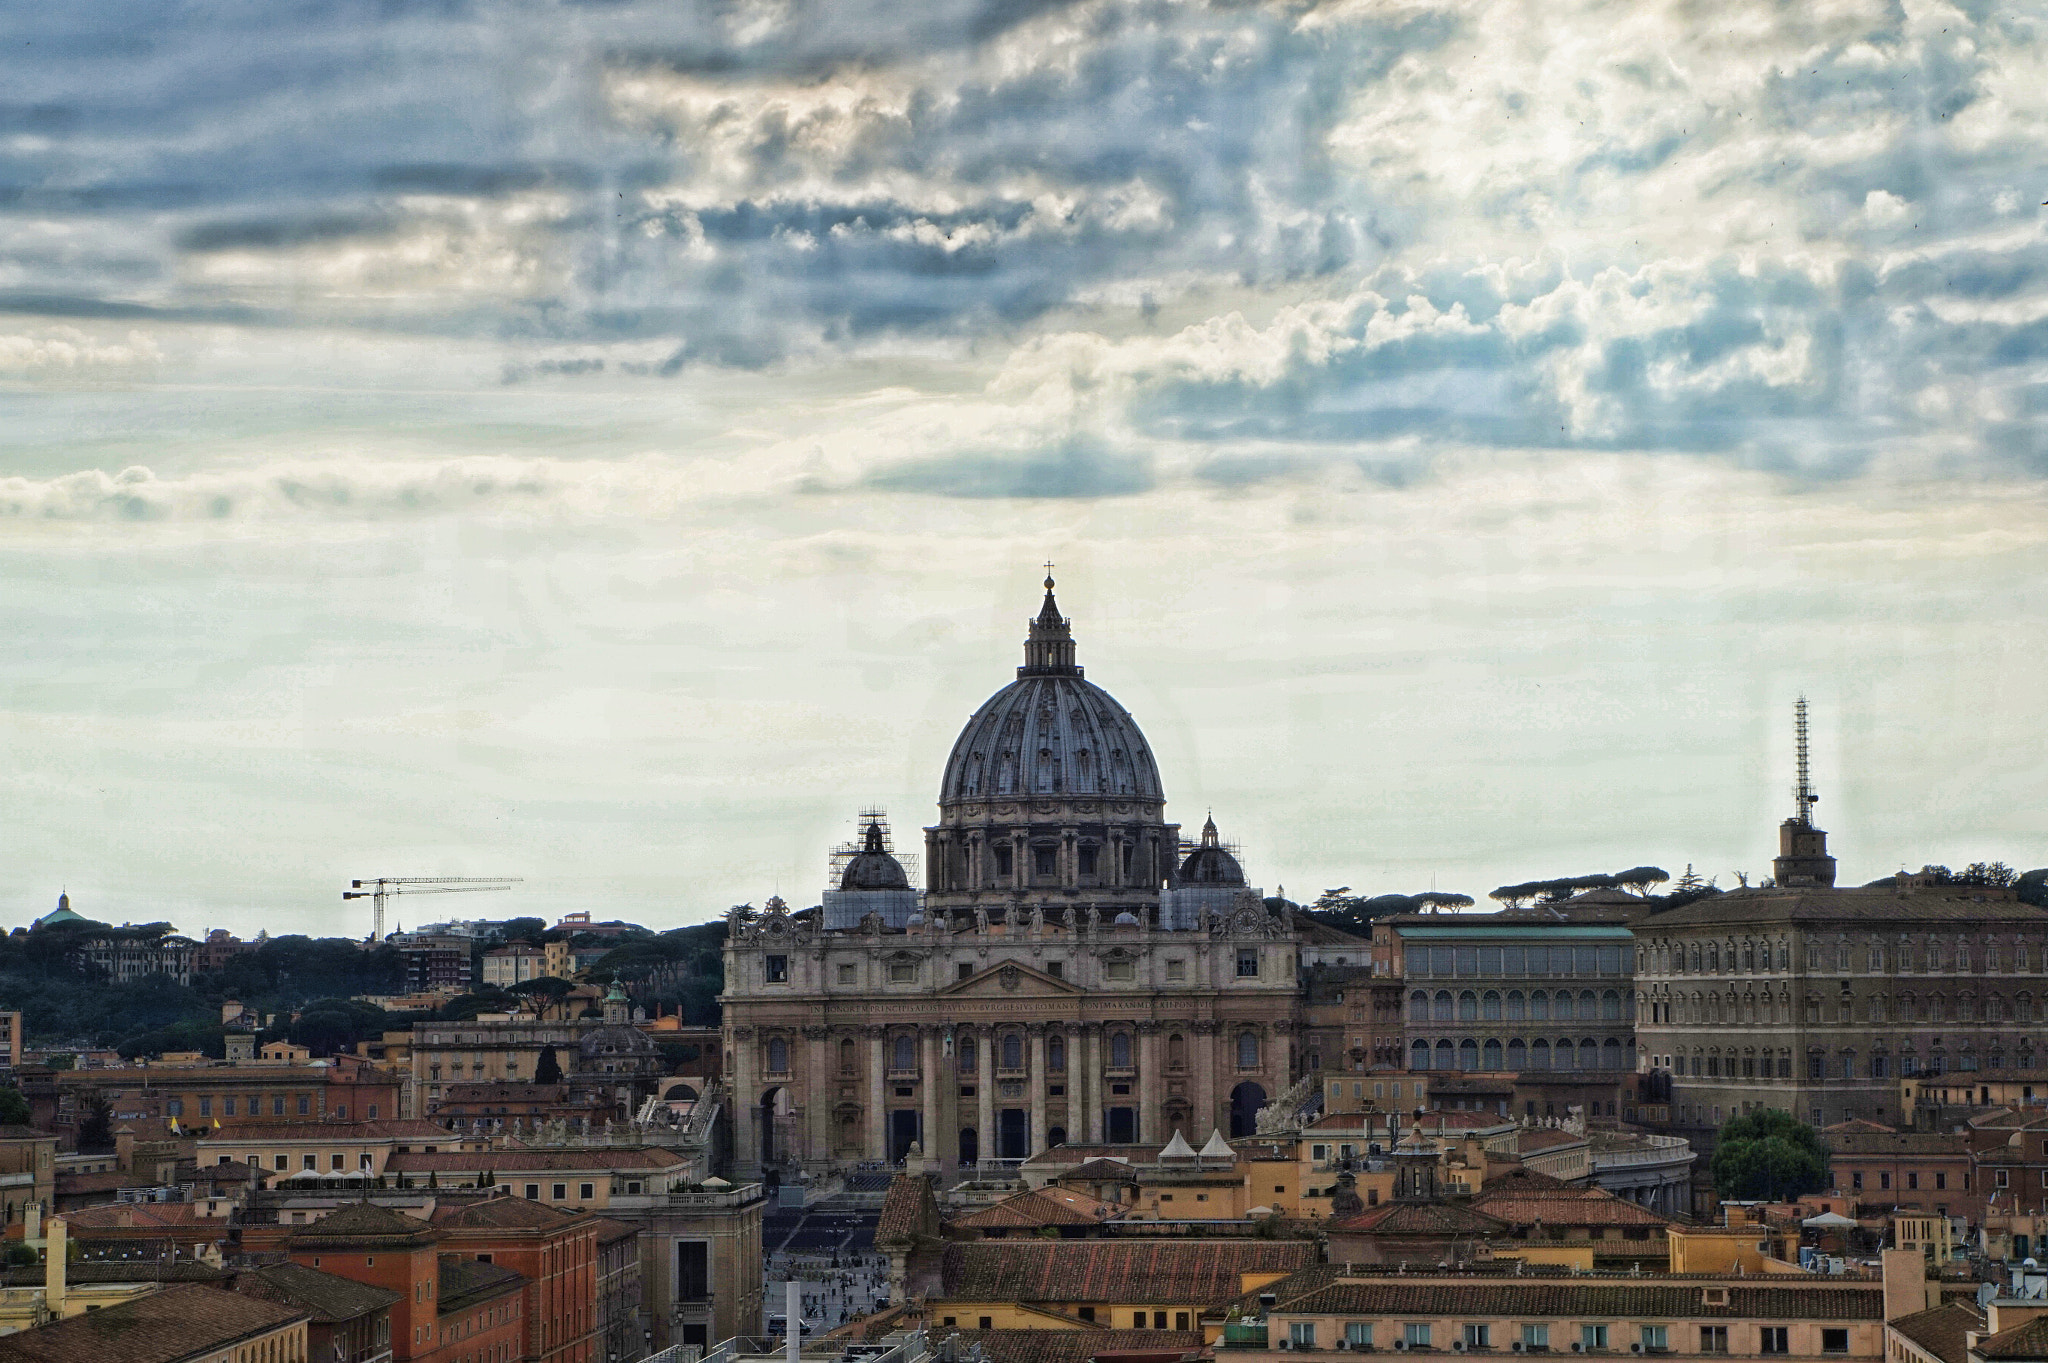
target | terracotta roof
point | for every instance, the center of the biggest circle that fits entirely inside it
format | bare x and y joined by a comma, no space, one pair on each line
1941,1330
2029,1340
1418,1218
1048,1206
505,1213
1565,1207
301,1133
1074,1346
142,1216
152,1268
465,1282
610,1232
1545,1138
1861,1142
871,1328
1863,905
327,1297
1858,1124
910,1209
161,1327
1196,1272
1579,1297
363,1221
1518,1178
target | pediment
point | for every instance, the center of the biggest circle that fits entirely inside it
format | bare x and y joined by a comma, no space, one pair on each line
1011,980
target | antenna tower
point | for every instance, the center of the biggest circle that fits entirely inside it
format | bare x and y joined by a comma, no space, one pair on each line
1802,793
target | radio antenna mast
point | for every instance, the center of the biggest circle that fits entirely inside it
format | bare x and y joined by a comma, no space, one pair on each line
1802,793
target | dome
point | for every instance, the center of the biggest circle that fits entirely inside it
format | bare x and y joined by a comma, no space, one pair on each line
873,868
1209,864
1050,732
616,1041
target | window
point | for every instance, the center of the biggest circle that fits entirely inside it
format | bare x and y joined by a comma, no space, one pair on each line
1058,969
561,1192
1771,1339
1002,850
1415,1334
1045,861
1087,860
1120,970
778,1055
305,1105
1478,1336
586,1191
1302,1334
1713,1339
1654,1338
1592,1337
206,1107
1056,1054
847,1056
1248,963
847,973
903,1057
1013,1051
1358,1334
1535,1336
775,969
1247,1051
227,1107
1834,1341
283,1163
533,1191
1120,1050
902,972
174,1107
335,1163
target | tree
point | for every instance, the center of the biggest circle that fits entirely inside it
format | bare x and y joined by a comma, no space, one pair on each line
1768,1155
13,1108
96,1130
549,1070
1639,879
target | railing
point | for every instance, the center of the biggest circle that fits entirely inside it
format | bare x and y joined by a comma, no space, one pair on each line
1665,1150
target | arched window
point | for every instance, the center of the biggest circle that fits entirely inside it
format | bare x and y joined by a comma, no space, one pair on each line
1468,1054
1120,1050
1489,1055
1610,1005
1013,1051
1518,1007
1874,961
1563,1009
1539,1006
1589,1007
1247,1050
1176,1052
1418,1056
1695,958
1468,1006
1713,958
1962,958
1784,956
905,1054
1518,1054
1539,1055
1056,1054
1610,1054
1748,956
968,1058
778,1055
1489,1006
847,1055
1418,1007
1589,1054
1445,1056
1443,1006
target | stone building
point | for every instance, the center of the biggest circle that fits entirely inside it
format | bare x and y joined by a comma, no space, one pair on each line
1816,1000
1071,972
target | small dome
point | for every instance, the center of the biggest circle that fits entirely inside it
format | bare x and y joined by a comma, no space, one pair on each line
1209,864
616,1041
873,868
1127,919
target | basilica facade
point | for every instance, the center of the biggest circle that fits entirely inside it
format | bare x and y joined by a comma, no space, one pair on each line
1073,972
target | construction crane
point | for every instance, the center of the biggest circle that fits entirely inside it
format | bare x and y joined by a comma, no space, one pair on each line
383,887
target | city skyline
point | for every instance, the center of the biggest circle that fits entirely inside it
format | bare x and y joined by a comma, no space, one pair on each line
612,445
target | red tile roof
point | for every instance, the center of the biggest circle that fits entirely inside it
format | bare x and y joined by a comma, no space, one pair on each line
1049,1206
1941,1331
1074,1346
2028,1340
1524,1206
1182,1272
162,1327
910,1210
1618,1298
1417,1218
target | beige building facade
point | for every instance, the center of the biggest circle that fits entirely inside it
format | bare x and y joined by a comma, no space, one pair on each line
1073,973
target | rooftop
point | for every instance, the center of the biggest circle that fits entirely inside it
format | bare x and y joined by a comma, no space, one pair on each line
329,1299
1941,1331
162,1327
1073,1346
1201,1272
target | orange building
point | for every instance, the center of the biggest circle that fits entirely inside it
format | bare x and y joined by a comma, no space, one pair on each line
449,1308
553,1249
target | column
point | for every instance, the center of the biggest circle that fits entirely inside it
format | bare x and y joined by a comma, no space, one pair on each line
1091,1075
1035,1141
1282,1062
878,1109
1080,1101
1203,1061
929,1082
985,1092
746,1136
1151,1121
817,1091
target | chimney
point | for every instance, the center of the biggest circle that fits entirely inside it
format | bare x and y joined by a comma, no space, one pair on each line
55,1246
31,1221
1905,1283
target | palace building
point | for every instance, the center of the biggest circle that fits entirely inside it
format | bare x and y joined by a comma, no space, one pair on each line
1073,971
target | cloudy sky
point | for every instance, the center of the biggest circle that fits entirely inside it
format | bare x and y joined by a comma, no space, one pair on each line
610,443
